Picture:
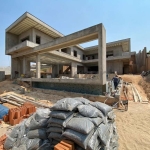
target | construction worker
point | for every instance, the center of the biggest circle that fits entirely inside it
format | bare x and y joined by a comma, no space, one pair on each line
116,80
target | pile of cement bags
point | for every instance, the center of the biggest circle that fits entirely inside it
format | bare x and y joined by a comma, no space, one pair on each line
30,134
90,125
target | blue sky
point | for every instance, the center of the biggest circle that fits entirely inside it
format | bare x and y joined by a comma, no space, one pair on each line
121,18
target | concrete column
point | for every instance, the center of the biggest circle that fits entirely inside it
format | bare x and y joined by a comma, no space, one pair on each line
59,50
73,69
85,69
12,68
24,65
38,66
58,69
33,36
102,56
28,65
15,66
71,51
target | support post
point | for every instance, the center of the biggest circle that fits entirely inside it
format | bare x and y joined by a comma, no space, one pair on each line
73,69
38,66
102,56
24,65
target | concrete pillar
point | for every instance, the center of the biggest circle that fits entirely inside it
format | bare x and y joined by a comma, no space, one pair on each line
38,66
102,56
59,50
71,51
58,69
24,65
85,69
33,36
27,66
12,68
15,66
73,69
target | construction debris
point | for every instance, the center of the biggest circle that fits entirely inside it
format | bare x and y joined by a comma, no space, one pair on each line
89,125
20,100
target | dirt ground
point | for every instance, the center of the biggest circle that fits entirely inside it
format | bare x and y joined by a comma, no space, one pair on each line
133,126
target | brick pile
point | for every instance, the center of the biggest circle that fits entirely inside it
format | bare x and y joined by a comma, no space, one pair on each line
2,140
64,145
16,115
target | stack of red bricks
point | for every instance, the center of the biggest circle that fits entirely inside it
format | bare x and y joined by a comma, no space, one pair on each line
16,115
64,145
2,140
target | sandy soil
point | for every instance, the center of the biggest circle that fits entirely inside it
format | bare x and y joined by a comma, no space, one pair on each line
135,79
133,126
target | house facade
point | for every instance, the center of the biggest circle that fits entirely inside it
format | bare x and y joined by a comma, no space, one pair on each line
28,32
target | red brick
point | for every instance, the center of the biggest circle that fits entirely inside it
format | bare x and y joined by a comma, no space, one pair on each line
58,147
67,145
69,142
6,118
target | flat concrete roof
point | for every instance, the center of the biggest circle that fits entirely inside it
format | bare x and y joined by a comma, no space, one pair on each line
28,21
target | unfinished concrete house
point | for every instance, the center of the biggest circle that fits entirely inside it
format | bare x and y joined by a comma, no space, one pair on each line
56,57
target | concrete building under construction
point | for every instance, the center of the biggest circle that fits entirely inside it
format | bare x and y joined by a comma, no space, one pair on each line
29,40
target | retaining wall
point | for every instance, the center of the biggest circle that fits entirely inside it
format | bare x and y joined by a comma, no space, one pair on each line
77,88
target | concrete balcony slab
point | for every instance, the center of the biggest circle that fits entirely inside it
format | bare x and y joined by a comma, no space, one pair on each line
21,46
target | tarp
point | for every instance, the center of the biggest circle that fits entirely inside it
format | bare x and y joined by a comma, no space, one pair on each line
3,111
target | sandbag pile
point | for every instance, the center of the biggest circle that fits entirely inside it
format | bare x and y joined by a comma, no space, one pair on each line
90,125
30,134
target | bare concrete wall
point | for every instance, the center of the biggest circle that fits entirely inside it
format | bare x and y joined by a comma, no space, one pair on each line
117,50
44,37
79,52
11,40
113,66
25,34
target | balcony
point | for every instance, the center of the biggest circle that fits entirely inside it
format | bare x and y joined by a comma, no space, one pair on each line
21,46
125,55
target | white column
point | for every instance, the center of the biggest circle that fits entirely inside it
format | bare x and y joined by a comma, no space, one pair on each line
24,65
73,69
38,66
102,55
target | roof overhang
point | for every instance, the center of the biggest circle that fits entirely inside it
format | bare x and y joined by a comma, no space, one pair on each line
28,21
